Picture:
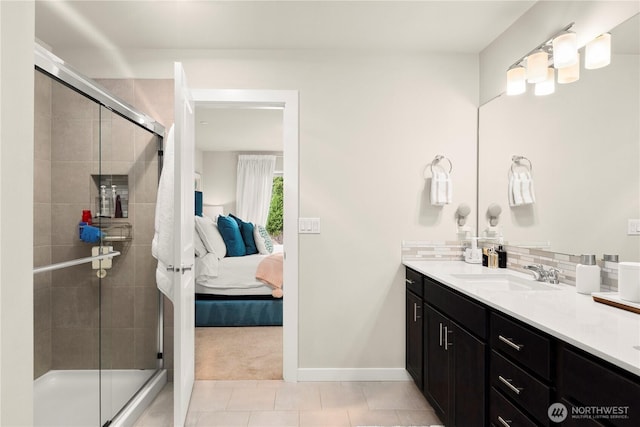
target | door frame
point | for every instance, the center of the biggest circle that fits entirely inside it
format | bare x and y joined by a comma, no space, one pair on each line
288,101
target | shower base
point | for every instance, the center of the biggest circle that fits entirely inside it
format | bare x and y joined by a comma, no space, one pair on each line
72,397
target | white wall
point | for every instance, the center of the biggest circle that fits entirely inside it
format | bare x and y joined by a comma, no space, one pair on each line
544,19
197,161
369,125
16,212
219,175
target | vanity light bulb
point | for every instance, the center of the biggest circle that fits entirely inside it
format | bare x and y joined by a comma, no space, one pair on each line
516,81
565,50
547,86
569,74
598,52
537,66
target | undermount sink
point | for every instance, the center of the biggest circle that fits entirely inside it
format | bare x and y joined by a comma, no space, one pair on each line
504,282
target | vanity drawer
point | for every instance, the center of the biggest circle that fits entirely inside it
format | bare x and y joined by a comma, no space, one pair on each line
503,413
523,345
413,279
529,393
464,311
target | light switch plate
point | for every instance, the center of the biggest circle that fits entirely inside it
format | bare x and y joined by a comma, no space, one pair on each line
633,227
309,225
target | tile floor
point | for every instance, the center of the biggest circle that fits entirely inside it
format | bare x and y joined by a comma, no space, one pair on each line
276,403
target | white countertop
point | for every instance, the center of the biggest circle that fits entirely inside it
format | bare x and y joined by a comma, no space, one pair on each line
607,332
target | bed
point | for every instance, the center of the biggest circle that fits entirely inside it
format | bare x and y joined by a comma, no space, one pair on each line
227,290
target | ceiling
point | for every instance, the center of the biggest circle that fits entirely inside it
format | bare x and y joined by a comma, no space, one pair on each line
435,26
430,26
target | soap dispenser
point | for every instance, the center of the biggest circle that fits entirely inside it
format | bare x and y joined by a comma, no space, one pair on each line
473,255
587,275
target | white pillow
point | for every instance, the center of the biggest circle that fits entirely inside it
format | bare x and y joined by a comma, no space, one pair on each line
198,247
210,236
263,240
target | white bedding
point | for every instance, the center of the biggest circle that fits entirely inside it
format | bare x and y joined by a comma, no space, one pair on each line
235,275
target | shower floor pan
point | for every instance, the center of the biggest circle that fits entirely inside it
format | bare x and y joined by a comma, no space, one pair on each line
72,397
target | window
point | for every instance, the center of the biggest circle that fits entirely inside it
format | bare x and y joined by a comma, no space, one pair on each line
274,220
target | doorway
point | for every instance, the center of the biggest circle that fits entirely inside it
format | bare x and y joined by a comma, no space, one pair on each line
287,102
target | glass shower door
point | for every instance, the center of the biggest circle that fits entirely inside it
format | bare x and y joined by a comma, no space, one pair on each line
128,179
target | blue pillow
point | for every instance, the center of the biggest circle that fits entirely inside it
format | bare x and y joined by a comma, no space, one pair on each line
231,235
246,230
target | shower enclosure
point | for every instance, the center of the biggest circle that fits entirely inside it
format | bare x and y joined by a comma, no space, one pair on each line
97,311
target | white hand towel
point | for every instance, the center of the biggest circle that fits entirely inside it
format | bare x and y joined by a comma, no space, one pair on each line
510,190
517,190
525,180
442,188
162,244
449,191
433,193
532,192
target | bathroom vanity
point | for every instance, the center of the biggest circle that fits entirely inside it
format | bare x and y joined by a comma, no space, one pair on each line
494,347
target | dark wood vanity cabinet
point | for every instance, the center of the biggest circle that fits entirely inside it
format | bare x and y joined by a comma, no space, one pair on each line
478,366
453,360
414,326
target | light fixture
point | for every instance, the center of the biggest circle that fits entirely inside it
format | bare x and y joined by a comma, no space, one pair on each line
516,80
565,50
569,74
598,52
537,66
547,86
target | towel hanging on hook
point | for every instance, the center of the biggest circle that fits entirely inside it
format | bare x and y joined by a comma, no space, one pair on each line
521,190
441,188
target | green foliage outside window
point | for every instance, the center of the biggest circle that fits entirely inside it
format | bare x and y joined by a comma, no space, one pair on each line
274,220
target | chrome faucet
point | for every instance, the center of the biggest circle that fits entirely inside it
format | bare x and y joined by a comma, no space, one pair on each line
542,275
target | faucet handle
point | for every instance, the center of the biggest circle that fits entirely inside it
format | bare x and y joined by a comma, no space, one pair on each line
552,275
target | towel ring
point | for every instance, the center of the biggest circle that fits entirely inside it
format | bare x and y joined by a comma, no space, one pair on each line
439,158
516,162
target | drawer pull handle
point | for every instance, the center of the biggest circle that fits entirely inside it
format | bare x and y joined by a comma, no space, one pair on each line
409,281
510,343
505,423
507,382
416,307
440,334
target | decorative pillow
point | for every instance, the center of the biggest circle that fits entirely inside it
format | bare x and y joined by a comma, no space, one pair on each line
263,240
246,230
198,247
211,237
231,235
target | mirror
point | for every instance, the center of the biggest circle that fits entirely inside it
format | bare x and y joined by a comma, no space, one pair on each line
583,143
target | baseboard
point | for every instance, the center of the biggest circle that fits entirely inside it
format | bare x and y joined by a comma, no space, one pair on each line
353,374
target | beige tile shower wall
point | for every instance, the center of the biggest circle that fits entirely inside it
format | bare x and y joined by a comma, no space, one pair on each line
42,225
85,141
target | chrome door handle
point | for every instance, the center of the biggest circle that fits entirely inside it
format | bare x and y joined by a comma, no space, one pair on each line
505,423
409,281
510,343
440,334
507,382
416,307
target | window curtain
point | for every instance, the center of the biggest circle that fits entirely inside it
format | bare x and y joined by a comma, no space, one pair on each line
254,186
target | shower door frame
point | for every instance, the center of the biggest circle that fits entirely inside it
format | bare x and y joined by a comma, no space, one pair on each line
58,70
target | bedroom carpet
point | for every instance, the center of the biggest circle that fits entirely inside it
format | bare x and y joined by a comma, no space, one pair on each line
244,353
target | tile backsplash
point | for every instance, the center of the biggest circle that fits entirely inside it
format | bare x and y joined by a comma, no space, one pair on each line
517,258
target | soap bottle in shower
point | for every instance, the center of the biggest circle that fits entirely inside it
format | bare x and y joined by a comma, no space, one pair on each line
105,210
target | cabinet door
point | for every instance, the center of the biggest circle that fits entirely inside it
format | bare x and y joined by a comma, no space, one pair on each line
414,338
469,361
437,362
